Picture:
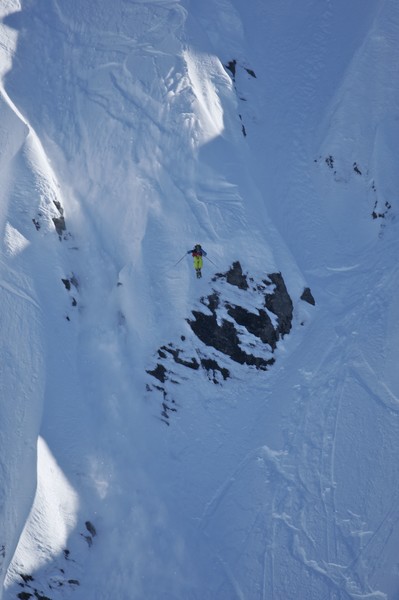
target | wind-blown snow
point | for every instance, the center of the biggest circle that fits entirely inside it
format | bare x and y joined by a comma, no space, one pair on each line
130,131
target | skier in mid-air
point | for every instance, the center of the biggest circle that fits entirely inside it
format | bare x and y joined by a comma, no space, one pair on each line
197,253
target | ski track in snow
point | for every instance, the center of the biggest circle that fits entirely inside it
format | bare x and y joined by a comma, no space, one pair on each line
122,145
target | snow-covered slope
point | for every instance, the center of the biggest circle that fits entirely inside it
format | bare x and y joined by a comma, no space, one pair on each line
167,437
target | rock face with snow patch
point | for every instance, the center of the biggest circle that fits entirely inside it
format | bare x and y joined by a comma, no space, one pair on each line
240,321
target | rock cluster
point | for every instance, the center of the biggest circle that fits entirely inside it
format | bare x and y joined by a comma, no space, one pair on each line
240,321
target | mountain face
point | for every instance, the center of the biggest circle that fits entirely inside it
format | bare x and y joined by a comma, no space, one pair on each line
174,438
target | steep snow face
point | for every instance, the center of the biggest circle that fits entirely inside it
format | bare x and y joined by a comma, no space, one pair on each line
168,437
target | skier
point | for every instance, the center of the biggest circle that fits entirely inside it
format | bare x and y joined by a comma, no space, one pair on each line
197,253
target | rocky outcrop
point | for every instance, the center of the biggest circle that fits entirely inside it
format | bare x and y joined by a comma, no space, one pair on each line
307,296
224,337
280,303
235,276
239,322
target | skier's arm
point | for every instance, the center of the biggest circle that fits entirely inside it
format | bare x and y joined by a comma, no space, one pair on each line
203,252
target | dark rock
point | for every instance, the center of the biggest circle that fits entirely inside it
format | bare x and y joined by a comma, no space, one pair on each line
59,207
212,301
250,72
24,596
175,352
259,325
166,409
211,365
308,297
356,168
330,161
231,66
74,281
236,277
223,338
381,215
280,303
59,224
90,528
159,373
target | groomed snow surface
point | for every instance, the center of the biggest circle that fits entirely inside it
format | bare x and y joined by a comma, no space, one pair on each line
268,132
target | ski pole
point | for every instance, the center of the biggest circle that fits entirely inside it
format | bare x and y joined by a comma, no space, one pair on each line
185,254
211,261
